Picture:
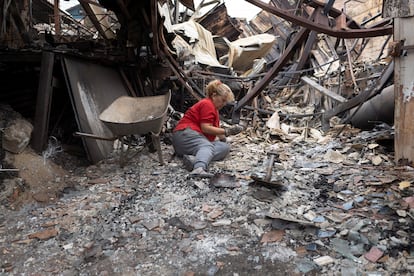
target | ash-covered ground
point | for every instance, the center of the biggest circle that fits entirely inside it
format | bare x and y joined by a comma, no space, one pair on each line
339,206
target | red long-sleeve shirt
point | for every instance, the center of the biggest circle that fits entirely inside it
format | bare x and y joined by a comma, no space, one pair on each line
203,111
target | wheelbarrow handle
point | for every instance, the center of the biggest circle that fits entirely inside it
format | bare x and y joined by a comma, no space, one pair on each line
93,136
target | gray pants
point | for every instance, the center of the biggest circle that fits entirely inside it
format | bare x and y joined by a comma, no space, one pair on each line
191,142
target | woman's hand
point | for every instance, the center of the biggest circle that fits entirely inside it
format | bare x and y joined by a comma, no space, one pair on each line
233,130
222,138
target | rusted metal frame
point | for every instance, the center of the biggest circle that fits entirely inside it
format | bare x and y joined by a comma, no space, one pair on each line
92,17
283,59
364,42
362,97
291,76
385,44
306,23
351,70
328,6
43,102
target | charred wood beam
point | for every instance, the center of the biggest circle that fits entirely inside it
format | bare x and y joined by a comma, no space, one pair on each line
306,23
362,97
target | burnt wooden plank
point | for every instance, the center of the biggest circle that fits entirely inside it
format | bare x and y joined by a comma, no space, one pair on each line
323,90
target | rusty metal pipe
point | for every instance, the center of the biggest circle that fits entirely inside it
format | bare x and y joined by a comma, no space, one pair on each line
376,110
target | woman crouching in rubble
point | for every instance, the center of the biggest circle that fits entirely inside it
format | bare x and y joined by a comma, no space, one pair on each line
195,135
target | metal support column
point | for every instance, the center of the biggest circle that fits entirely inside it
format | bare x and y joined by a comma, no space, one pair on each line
404,91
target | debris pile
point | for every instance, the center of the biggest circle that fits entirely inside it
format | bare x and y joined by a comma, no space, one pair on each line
344,207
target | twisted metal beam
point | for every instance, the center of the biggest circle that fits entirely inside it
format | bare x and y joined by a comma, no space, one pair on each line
306,23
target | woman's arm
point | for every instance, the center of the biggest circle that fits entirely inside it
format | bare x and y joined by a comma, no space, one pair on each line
212,130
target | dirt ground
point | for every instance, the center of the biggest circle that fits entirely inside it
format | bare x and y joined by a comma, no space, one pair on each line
38,180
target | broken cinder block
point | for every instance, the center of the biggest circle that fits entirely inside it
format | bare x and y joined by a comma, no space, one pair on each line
16,135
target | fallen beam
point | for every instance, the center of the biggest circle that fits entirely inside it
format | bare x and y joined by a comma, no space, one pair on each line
323,90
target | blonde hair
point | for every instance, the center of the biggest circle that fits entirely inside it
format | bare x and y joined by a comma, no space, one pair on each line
217,87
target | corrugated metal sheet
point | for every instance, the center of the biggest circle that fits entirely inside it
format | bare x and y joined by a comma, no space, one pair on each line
92,89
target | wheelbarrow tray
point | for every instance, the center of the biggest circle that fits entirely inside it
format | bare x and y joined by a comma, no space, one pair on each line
136,115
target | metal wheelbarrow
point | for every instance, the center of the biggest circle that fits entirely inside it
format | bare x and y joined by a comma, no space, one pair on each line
135,116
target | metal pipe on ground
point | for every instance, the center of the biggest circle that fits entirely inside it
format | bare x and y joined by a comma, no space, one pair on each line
379,109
